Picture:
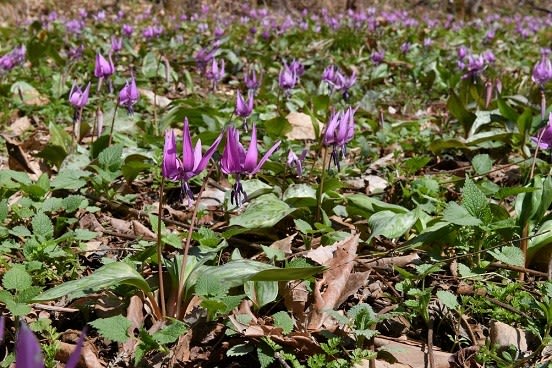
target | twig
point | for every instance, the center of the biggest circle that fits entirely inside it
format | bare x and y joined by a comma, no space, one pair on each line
281,360
53,308
518,269
464,322
508,307
430,343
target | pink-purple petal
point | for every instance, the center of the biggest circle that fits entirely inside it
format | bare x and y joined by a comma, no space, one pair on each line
266,157
252,153
27,349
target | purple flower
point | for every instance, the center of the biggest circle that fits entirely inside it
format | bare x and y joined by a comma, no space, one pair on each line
243,108
250,80
287,78
127,30
293,160
13,58
544,137
103,68
75,52
428,42
297,67
192,163
236,161
542,72
489,56
28,353
378,57
339,131
2,327
475,65
216,72
74,26
116,44
405,47
27,349
77,97
129,95
219,32
462,52
328,75
344,83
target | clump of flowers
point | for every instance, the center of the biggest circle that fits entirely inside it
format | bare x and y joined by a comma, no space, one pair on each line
192,162
339,131
129,95
13,58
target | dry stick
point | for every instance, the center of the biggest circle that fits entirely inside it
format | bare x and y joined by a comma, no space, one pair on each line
321,186
430,343
160,248
156,311
187,248
113,123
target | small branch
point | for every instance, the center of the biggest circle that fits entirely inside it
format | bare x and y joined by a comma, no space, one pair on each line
430,343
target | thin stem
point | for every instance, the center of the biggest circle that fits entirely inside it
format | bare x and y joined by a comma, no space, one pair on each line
154,306
321,186
113,123
179,310
160,248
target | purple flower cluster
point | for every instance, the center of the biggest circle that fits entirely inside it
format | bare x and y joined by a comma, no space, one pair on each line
339,131
13,58
337,80
542,72
473,65
235,160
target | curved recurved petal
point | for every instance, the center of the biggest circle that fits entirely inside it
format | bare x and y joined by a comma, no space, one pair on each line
329,135
205,159
76,354
170,161
27,349
187,148
266,156
230,162
252,153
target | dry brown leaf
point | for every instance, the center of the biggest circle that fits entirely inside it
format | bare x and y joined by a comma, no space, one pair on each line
381,364
333,286
89,358
295,296
89,222
411,353
302,127
135,314
152,98
504,335
20,126
322,254
121,226
142,231
17,158
400,261
284,244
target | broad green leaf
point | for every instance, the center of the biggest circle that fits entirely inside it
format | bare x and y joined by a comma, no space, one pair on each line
542,239
42,225
391,225
510,255
283,320
113,328
3,210
482,164
300,195
448,299
17,279
261,292
170,333
240,350
111,274
70,179
73,202
369,205
110,158
458,215
475,202
263,212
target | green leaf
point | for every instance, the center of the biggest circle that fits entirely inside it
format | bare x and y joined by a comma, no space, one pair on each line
85,235
70,179
302,226
240,350
20,231
482,164
391,225
42,225
17,278
458,215
300,195
73,202
261,292
448,299
3,210
111,157
263,212
459,111
283,320
113,328
475,202
273,253
366,206
170,333
106,276
509,255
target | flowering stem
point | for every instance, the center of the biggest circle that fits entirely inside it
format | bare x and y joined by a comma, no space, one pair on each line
531,174
98,109
321,186
160,248
179,310
112,124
